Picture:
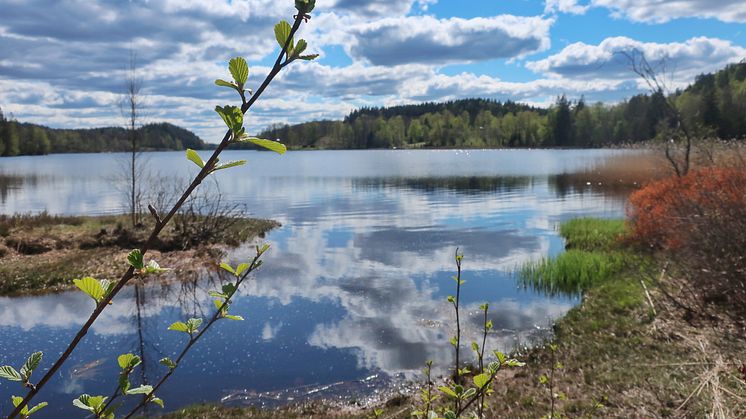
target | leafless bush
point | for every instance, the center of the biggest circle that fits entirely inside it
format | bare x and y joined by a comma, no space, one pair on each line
207,218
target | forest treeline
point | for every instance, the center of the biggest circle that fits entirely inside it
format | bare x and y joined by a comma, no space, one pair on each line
714,105
18,139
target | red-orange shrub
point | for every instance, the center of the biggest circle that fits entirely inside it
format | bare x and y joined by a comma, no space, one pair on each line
664,213
699,220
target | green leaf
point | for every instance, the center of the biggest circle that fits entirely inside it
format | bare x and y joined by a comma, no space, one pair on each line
239,70
179,327
309,57
275,146
450,415
488,325
500,357
144,389
229,164
157,401
154,268
193,324
89,403
167,362
223,83
91,287
31,363
128,361
232,317
475,347
108,286
241,268
261,250
227,267
282,33
135,257
230,287
543,379
454,341
515,363
9,373
196,159
36,408
469,393
217,294
448,391
219,304
17,401
299,48
232,116
481,380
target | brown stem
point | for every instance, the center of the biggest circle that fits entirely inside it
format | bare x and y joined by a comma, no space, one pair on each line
156,231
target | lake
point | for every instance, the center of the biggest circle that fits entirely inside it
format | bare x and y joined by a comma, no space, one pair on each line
352,295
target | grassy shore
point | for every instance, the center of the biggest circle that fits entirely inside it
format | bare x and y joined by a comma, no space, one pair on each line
43,253
622,352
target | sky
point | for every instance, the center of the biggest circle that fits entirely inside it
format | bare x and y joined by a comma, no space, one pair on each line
63,63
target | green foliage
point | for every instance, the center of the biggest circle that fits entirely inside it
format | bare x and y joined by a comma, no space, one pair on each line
167,362
195,158
228,165
191,326
24,376
93,404
233,118
18,138
26,412
282,35
572,272
592,233
135,257
94,288
275,146
128,361
9,373
239,69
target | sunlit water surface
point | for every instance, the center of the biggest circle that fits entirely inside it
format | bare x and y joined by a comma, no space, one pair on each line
353,290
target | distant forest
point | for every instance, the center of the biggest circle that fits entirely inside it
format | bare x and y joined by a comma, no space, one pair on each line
714,105
18,139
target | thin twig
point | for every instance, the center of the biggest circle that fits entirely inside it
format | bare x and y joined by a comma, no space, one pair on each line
193,340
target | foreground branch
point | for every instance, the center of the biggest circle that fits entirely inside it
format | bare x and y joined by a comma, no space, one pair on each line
130,273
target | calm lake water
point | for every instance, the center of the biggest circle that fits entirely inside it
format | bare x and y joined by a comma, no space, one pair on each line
352,293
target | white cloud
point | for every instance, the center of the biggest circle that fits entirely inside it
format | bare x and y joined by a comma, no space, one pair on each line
657,11
607,60
427,40
565,6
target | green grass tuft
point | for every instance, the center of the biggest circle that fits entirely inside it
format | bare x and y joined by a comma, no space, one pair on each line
571,272
592,233
594,256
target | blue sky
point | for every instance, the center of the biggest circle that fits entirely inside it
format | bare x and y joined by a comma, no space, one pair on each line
63,62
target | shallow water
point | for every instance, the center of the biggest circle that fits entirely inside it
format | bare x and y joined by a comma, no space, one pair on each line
353,290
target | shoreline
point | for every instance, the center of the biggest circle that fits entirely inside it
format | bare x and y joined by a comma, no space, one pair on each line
42,254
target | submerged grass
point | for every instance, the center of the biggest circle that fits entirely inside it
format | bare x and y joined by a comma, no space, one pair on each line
592,233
